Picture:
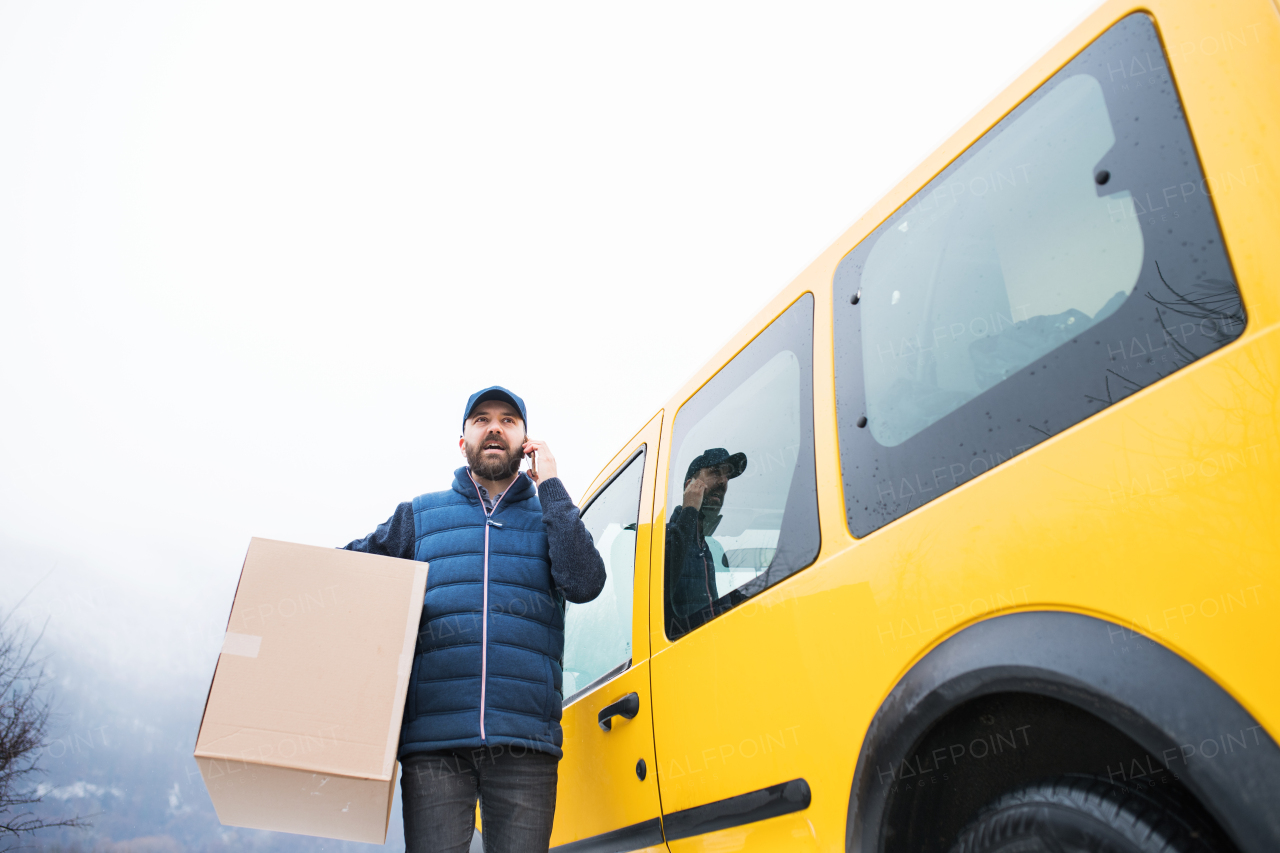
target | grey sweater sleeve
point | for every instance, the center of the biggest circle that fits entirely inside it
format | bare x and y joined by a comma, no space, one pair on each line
393,538
576,565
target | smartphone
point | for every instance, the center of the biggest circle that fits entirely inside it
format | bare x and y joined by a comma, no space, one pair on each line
533,461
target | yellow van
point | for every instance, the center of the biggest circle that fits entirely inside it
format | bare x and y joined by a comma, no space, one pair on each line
969,540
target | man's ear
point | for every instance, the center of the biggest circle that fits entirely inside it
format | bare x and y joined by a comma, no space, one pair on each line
462,445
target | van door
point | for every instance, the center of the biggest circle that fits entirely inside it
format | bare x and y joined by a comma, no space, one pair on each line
737,517
608,791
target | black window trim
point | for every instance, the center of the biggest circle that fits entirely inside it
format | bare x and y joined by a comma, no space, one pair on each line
609,482
599,681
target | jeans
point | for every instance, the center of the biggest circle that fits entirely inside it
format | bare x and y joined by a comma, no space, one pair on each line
516,788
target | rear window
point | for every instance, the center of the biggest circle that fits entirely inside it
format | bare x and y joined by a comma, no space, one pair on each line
1066,260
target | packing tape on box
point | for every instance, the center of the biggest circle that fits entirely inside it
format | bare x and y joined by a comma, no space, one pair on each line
244,645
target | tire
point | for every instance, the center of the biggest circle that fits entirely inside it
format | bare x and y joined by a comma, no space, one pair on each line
1084,814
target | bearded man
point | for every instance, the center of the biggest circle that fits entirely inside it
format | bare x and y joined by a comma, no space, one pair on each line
482,715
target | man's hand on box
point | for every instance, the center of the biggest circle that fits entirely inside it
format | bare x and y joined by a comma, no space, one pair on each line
546,463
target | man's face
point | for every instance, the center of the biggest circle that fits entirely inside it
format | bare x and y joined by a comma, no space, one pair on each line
492,439
716,479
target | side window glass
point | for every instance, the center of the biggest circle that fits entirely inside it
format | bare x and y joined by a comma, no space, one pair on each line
743,499
597,634
1068,259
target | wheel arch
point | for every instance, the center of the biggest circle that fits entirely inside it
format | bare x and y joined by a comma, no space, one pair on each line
1144,691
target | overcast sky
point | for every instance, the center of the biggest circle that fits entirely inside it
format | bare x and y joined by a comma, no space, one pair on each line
254,256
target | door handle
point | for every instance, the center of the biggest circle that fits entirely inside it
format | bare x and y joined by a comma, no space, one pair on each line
627,707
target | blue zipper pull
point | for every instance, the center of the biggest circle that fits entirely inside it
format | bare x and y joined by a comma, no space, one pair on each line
493,523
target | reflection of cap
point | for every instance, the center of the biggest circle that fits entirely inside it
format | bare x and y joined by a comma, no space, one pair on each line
494,392
717,456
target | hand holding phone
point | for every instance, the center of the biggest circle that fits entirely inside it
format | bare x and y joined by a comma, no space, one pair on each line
542,465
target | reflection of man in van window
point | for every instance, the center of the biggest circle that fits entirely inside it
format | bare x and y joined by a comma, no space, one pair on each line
692,555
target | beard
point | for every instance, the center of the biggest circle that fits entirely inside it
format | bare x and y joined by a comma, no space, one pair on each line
493,467
711,518
712,504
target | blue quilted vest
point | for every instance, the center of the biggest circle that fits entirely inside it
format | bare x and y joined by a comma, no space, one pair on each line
486,670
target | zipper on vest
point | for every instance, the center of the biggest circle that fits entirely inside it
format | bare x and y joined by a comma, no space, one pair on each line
484,619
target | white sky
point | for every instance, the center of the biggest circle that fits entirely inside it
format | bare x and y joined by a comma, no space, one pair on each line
254,256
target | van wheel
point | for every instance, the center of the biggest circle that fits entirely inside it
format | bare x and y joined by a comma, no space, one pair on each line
1082,814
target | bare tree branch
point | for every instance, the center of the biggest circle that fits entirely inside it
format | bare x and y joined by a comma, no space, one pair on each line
24,719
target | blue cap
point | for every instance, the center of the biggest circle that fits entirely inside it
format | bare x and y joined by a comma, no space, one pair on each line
494,392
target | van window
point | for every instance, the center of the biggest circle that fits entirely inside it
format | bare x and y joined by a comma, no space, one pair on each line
1011,256
742,507
1066,260
597,634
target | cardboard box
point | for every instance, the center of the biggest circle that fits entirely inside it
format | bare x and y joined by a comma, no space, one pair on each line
302,722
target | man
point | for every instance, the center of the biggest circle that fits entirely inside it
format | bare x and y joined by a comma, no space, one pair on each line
692,556
482,715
